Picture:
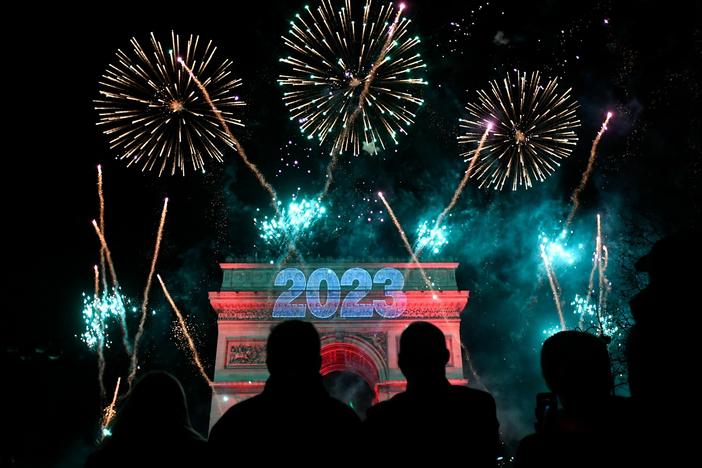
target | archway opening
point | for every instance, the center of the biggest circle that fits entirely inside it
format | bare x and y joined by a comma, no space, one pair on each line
350,389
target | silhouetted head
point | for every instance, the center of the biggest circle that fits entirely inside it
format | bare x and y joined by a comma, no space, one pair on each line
656,341
423,353
293,350
576,367
671,265
155,405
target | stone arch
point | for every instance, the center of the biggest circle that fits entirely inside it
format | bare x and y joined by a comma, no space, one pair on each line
344,356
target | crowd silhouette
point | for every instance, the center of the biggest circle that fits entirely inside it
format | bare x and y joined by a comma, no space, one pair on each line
579,423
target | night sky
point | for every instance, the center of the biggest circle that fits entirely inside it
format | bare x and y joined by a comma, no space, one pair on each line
640,60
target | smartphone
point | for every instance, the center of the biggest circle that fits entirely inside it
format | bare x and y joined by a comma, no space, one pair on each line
546,411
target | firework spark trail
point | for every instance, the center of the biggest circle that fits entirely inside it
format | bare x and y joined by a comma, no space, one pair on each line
97,281
336,150
101,199
405,241
473,371
292,253
554,285
115,286
575,197
330,173
186,333
147,290
596,258
461,185
239,148
603,290
595,262
108,254
100,342
109,412
602,262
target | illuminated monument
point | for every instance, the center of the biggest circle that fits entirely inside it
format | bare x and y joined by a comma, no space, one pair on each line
360,310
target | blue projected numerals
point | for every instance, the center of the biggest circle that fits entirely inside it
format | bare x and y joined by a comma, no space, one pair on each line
314,284
352,306
393,289
284,306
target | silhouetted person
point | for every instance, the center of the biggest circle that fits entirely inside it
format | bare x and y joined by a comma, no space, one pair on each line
592,427
659,352
294,420
152,428
432,420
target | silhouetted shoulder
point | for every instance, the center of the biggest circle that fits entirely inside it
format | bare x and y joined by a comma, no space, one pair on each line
343,411
456,395
471,393
228,421
383,408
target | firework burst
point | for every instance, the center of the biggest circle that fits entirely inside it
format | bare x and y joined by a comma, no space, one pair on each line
433,238
348,62
291,222
534,129
153,113
98,312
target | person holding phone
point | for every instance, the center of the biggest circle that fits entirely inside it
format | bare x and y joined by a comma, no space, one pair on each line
581,422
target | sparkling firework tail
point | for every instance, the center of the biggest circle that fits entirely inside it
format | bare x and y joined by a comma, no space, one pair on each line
461,185
602,262
237,146
152,113
331,167
109,412
115,285
240,150
100,343
96,275
473,371
554,285
186,333
147,290
292,253
595,263
405,241
108,254
534,130
101,200
575,197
